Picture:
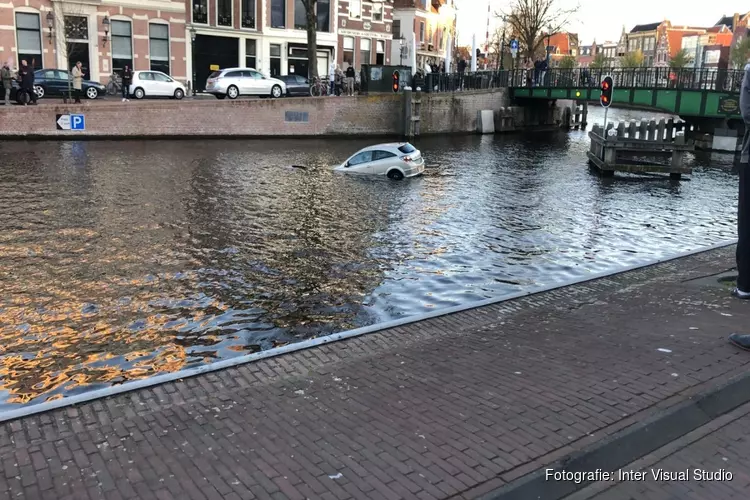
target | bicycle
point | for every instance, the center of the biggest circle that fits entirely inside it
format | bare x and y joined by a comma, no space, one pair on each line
114,86
319,87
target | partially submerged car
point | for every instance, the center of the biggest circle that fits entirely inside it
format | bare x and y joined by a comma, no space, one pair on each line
394,160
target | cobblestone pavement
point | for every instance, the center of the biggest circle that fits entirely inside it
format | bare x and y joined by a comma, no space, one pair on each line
446,408
718,449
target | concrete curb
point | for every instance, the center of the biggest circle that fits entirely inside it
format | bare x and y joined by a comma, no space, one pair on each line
630,444
31,409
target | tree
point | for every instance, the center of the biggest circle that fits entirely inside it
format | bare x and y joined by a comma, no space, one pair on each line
312,37
567,62
681,59
632,60
740,53
533,20
71,37
599,62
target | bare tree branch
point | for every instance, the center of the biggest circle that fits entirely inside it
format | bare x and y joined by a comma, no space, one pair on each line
533,20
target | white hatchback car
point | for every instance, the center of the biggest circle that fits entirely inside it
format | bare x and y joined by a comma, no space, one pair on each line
234,82
155,84
394,160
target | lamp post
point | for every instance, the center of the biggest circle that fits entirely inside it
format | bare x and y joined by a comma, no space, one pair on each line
50,24
549,48
105,26
502,45
192,55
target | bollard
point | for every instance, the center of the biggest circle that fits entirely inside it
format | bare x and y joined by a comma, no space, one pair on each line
643,130
652,130
621,130
632,129
660,129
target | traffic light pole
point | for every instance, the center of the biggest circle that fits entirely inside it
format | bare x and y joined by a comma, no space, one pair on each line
606,110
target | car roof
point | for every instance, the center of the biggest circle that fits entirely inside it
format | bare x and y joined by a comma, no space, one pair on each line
235,69
385,145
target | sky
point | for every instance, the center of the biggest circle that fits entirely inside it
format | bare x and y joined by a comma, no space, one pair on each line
602,21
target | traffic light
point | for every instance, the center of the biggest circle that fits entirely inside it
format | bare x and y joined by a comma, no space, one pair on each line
479,53
606,98
396,85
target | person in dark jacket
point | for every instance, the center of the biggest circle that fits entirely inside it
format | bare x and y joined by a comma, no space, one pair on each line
127,79
26,79
742,290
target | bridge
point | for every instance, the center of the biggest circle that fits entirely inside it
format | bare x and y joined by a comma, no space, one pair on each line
699,93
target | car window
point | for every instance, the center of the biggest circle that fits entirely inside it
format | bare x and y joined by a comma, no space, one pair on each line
256,75
146,76
62,75
407,148
234,74
215,74
160,77
300,79
381,155
50,74
360,158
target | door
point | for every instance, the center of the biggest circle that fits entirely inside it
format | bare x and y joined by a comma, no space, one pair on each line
382,161
207,50
162,83
361,163
64,81
146,82
249,83
235,78
49,81
259,85
301,85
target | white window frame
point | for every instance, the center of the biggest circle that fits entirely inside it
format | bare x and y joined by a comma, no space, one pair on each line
29,10
231,17
382,12
208,13
351,11
353,50
169,43
132,42
255,16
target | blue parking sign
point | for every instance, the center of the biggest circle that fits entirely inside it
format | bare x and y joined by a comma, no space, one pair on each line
514,44
77,122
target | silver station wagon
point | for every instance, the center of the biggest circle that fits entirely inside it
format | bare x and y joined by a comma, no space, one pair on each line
234,82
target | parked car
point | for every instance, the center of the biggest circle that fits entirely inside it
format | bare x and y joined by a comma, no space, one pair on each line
54,82
296,85
394,160
155,84
234,82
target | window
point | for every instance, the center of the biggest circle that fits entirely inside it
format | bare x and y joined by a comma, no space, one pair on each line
159,77
29,37
76,28
224,12
253,74
365,46
233,74
200,11
146,76
158,37
251,53
377,11
122,45
360,158
348,52
300,15
324,15
380,48
407,148
278,13
248,14
275,53
382,155
355,8
396,29
421,32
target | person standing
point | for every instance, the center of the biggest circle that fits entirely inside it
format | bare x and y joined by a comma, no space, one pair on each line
350,75
6,75
26,76
127,79
742,290
332,78
77,73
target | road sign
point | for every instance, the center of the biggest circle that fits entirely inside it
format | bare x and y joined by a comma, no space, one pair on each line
70,122
77,122
514,48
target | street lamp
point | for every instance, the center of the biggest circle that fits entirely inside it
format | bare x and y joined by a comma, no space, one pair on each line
50,24
502,45
402,48
105,26
192,54
549,48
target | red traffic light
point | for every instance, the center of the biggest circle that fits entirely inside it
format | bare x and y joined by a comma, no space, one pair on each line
396,84
606,97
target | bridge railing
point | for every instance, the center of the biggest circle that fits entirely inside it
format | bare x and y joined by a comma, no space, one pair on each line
721,80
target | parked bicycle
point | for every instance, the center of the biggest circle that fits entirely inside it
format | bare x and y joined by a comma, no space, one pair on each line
114,86
319,87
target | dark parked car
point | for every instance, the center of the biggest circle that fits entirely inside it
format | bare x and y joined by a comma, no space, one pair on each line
54,82
295,84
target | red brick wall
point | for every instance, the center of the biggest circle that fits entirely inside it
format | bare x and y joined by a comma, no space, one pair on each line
364,115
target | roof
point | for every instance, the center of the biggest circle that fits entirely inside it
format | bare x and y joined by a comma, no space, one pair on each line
639,28
727,20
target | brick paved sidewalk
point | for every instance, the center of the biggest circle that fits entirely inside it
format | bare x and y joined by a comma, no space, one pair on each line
722,445
446,408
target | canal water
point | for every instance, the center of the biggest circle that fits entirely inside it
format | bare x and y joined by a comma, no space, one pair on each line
121,260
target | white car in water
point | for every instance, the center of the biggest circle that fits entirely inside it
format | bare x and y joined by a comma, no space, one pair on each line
394,160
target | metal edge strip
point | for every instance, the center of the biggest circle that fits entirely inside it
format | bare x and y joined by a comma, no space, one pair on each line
33,409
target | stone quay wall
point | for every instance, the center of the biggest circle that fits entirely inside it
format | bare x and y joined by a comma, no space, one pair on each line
372,115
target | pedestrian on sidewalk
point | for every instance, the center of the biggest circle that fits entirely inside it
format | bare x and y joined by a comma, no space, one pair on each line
77,73
127,79
350,75
332,78
26,79
6,75
742,290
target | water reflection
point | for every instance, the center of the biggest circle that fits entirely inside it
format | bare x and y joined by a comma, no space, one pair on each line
120,260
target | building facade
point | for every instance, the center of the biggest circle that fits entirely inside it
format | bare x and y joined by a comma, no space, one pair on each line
104,37
562,45
670,43
642,38
364,33
428,25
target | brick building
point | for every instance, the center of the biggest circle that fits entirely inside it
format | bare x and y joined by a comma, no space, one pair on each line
269,35
642,38
670,43
430,25
561,45
144,34
365,32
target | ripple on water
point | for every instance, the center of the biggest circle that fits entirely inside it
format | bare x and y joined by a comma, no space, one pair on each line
121,260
